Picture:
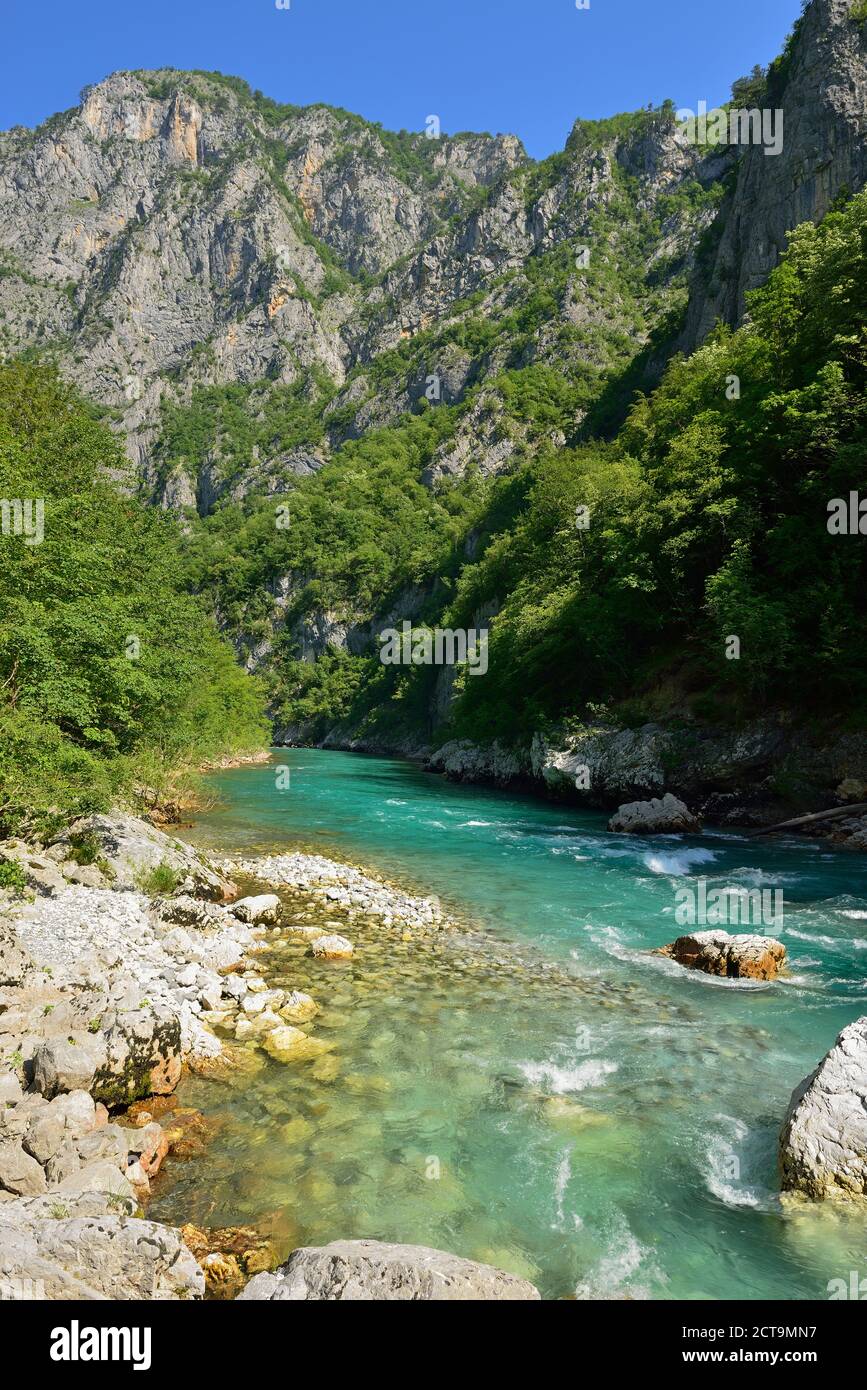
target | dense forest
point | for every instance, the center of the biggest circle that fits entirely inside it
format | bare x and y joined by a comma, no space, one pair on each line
112,674
617,569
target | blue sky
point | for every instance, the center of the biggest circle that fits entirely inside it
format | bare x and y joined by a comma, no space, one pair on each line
526,66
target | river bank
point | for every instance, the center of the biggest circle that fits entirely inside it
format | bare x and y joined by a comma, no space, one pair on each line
754,776
109,994
459,1080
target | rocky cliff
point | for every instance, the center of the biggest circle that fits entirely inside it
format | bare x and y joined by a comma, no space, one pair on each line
177,231
820,85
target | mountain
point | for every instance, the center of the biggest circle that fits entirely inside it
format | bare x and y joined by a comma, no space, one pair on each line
820,83
373,371
177,232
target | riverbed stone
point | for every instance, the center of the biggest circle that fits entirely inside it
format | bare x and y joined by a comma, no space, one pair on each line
282,1043
187,1132
823,1145
373,1271
299,1007
333,948
229,1256
305,933
748,957
258,1026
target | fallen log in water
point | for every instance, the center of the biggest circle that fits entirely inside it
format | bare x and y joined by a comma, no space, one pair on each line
838,813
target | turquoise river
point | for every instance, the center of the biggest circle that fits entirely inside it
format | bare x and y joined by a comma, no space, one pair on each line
594,1117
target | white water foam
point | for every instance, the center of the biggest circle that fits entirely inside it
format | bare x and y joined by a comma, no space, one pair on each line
564,1080
680,863
814,938
561,1182
614,1274
730,1157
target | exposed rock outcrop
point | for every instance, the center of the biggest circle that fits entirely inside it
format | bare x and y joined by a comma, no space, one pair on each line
822,91
823,1145
754,775
369,1270
67,1146
131,849
85,1247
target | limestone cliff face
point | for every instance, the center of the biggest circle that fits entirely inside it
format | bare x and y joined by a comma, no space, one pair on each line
176,231
823,95
164,233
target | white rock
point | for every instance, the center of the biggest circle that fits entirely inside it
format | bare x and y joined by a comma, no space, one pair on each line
99,1256
372,1271
253,1004
823,1146
264,908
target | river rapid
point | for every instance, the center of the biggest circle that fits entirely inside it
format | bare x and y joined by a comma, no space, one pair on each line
550,1097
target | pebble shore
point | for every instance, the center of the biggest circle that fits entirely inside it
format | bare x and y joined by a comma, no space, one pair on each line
106,993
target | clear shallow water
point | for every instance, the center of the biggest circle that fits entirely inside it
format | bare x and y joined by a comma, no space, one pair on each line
609,1127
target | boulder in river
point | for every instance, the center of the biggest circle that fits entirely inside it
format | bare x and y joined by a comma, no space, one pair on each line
823,1146
299,1007
372,1271
661,816
288,1044
733,957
